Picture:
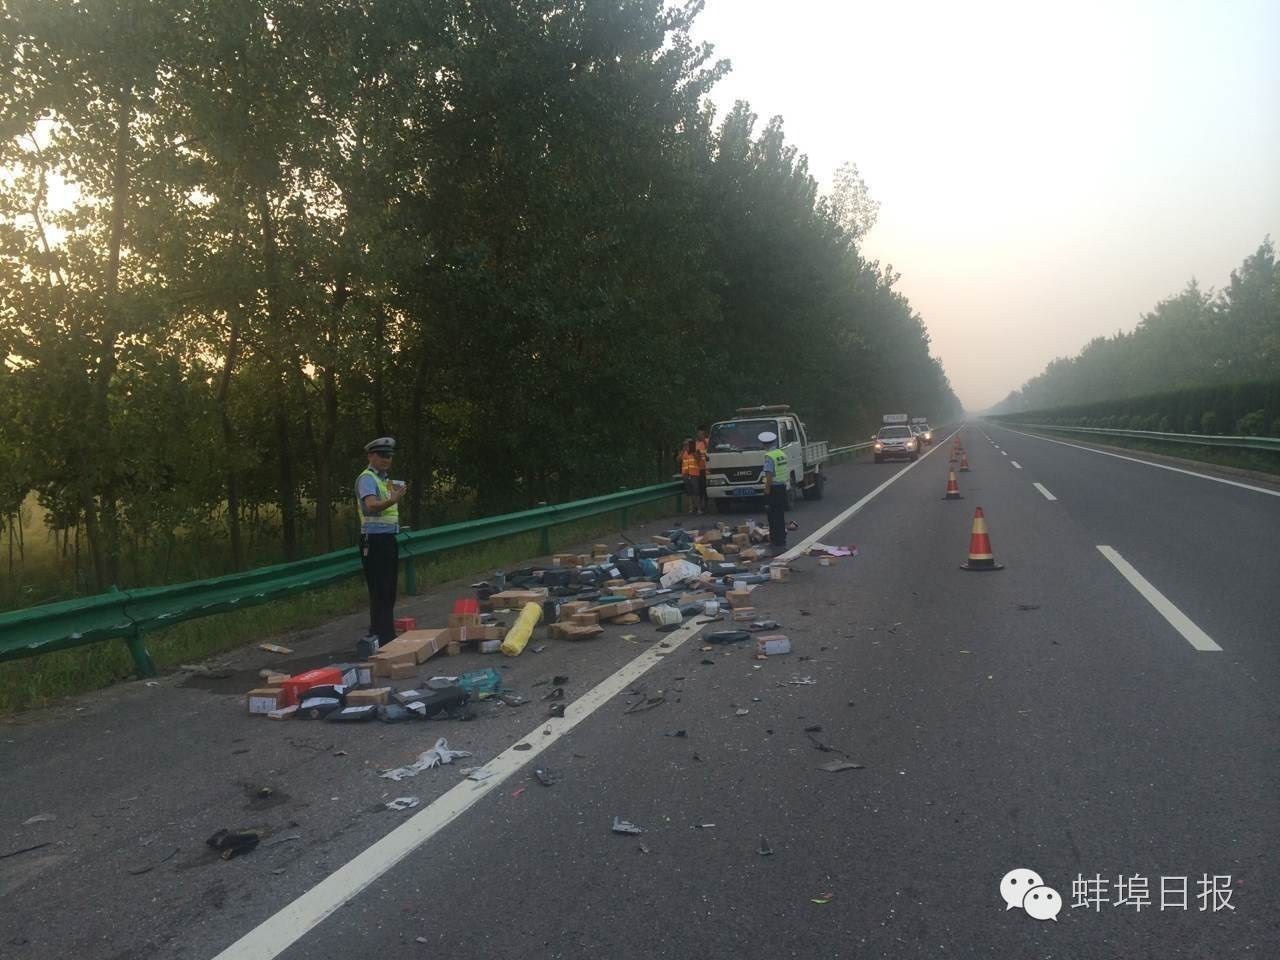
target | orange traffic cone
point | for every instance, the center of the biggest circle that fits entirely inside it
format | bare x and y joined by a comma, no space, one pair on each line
953,488
980,556
964,462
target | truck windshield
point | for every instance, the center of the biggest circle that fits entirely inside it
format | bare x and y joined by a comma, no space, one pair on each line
734,436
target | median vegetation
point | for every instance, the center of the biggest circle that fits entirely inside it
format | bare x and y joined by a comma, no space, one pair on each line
1199,362
240,239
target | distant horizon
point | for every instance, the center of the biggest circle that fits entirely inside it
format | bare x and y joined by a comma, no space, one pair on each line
1044,177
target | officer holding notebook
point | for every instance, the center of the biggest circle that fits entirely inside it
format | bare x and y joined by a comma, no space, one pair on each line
378,499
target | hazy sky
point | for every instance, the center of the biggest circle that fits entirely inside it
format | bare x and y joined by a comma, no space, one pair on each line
1046,173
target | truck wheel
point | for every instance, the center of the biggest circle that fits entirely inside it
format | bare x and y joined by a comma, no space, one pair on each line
819,486
791,494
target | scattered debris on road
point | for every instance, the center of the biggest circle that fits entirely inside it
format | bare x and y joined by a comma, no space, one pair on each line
837,766
625,826
764,849
402,803
232,843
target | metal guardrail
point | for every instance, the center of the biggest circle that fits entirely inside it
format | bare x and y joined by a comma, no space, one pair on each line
129,614
1197,439
853,448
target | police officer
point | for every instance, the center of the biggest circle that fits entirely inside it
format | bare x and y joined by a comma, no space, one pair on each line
378,499
775,489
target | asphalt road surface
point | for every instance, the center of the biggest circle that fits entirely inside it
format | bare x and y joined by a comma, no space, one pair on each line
1102,712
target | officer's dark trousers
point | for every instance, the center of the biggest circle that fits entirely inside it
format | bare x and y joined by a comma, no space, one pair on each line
379,554
777,512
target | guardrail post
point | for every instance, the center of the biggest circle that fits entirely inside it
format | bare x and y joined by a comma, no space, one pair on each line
141,658
410,576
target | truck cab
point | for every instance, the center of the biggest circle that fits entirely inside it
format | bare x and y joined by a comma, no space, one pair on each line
735,457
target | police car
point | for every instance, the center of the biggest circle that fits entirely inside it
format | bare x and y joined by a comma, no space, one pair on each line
895,440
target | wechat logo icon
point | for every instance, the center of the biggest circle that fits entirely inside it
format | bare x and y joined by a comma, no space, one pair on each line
1026,889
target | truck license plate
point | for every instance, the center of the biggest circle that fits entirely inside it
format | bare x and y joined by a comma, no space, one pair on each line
744,491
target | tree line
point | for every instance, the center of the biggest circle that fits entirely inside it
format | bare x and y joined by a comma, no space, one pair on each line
1196,339
239,238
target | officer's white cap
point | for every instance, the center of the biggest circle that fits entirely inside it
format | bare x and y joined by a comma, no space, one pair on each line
381,445
767,437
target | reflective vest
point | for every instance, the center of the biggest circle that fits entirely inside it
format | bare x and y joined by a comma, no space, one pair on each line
689,464
779,459
391,515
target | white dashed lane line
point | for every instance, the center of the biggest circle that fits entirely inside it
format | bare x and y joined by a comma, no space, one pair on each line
1047,494
1177,619
1016,465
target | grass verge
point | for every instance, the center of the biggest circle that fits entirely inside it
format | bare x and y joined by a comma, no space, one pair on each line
37,681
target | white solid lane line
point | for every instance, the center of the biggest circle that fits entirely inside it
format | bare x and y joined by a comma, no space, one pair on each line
281,930
1047,494
1148,463
1004,453
1016,465
826,528
1177,619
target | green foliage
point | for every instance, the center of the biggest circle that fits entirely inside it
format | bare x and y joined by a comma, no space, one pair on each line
1194,339
515,236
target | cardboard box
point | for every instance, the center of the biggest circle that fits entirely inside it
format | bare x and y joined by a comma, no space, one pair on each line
464,619
564,560
452,649
731,549
264,700
661,541
365,674
276,679
600,548
284,713
572,631
518,598
374,695
779,574
615,583
567,610
744,613
742,539
743,528
627,619
404,671
584,559
608,611
712,536
627,590
586,618
738,598
405,624
465,635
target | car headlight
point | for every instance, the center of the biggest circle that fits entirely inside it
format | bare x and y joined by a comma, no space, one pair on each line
928,436
911,444
879,445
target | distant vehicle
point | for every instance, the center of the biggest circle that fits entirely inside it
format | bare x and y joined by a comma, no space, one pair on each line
920,427
735,457
895,440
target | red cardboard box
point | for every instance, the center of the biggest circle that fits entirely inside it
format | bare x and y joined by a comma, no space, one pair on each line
295,686
404,624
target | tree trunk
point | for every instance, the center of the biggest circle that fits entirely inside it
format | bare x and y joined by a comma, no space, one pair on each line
228,441
104,535
276,339
419,460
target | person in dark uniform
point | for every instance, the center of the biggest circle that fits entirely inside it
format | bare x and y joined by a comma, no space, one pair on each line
378,498
775,490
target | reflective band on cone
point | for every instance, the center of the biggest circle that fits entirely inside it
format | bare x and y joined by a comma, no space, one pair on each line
953,488
980,555
964,462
